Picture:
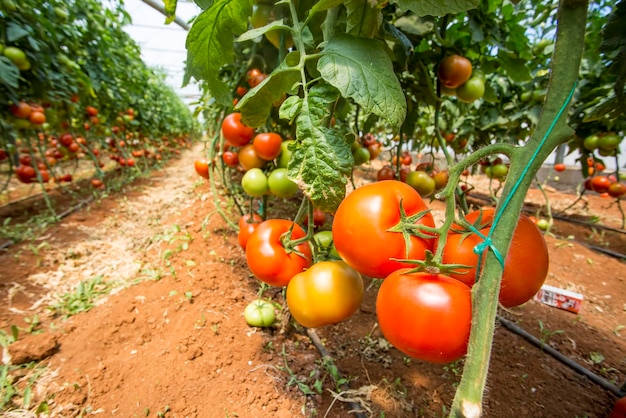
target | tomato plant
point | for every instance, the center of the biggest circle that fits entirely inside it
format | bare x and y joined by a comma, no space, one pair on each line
426,316
325,294
362,223
269,259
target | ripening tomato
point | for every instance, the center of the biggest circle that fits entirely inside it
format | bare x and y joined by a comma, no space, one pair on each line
37,118
426,316
235,132
560,167
441,179
249,159
421,182
385,173
97,184
362,223
325,294
267,145
91,111
267,257
202,167
21,110
454,70
617,189
521,279
247,225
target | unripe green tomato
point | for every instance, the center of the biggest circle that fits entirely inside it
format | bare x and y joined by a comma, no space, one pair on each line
361,156
472,89
260,313
285,153
606,153
499,171
324,240
16,55
543,224
609,142
422,182
279,185
591,142
254,182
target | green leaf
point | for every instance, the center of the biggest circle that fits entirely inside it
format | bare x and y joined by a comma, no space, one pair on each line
204,4
436,7
324,5
320,165
15,32
361,70
256,105
290,108
210,43
9,73
515,67
362,19
170,10
260,31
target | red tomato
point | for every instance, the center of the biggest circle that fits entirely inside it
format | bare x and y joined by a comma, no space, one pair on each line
560,167
267,145
235,132
267,257
325,294
202,167
91,111
25,173
600,184
37,118
247,227
525,266
230,158
454,70
362,222
97,183
619,409
21,110
426,316
319,218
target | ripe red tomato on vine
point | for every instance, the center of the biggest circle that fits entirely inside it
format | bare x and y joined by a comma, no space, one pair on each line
235,132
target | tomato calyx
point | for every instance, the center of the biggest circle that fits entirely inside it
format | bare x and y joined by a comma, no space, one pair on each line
431,266
290,245
408,226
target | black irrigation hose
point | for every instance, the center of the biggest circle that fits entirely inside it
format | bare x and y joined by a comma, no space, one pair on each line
619,392
60,216
355,407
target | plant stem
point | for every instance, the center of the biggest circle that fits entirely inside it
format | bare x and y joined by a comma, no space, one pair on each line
572,16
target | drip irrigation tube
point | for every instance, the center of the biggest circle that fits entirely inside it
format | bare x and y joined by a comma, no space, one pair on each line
619,392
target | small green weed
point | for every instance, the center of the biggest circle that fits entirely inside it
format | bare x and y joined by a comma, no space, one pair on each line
83,299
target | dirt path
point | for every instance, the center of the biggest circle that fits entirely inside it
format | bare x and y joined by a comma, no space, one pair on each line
171,340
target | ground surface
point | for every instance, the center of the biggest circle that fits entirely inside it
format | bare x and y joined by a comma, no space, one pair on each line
170,340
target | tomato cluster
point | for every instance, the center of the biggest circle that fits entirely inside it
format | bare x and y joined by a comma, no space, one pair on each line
426,178
456,78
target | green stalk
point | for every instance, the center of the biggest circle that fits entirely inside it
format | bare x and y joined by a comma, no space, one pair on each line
572,17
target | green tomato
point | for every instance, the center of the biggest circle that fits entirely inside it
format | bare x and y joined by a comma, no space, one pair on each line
324,241
16,55
606,152
279,185
61,14
591,142
260,313
361,155
422,182
543,224
472,89
609,142
499,171
254,182
285,153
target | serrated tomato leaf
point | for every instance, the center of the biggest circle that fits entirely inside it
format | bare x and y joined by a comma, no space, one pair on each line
320,165
256,105
210,43
361,70
436,7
